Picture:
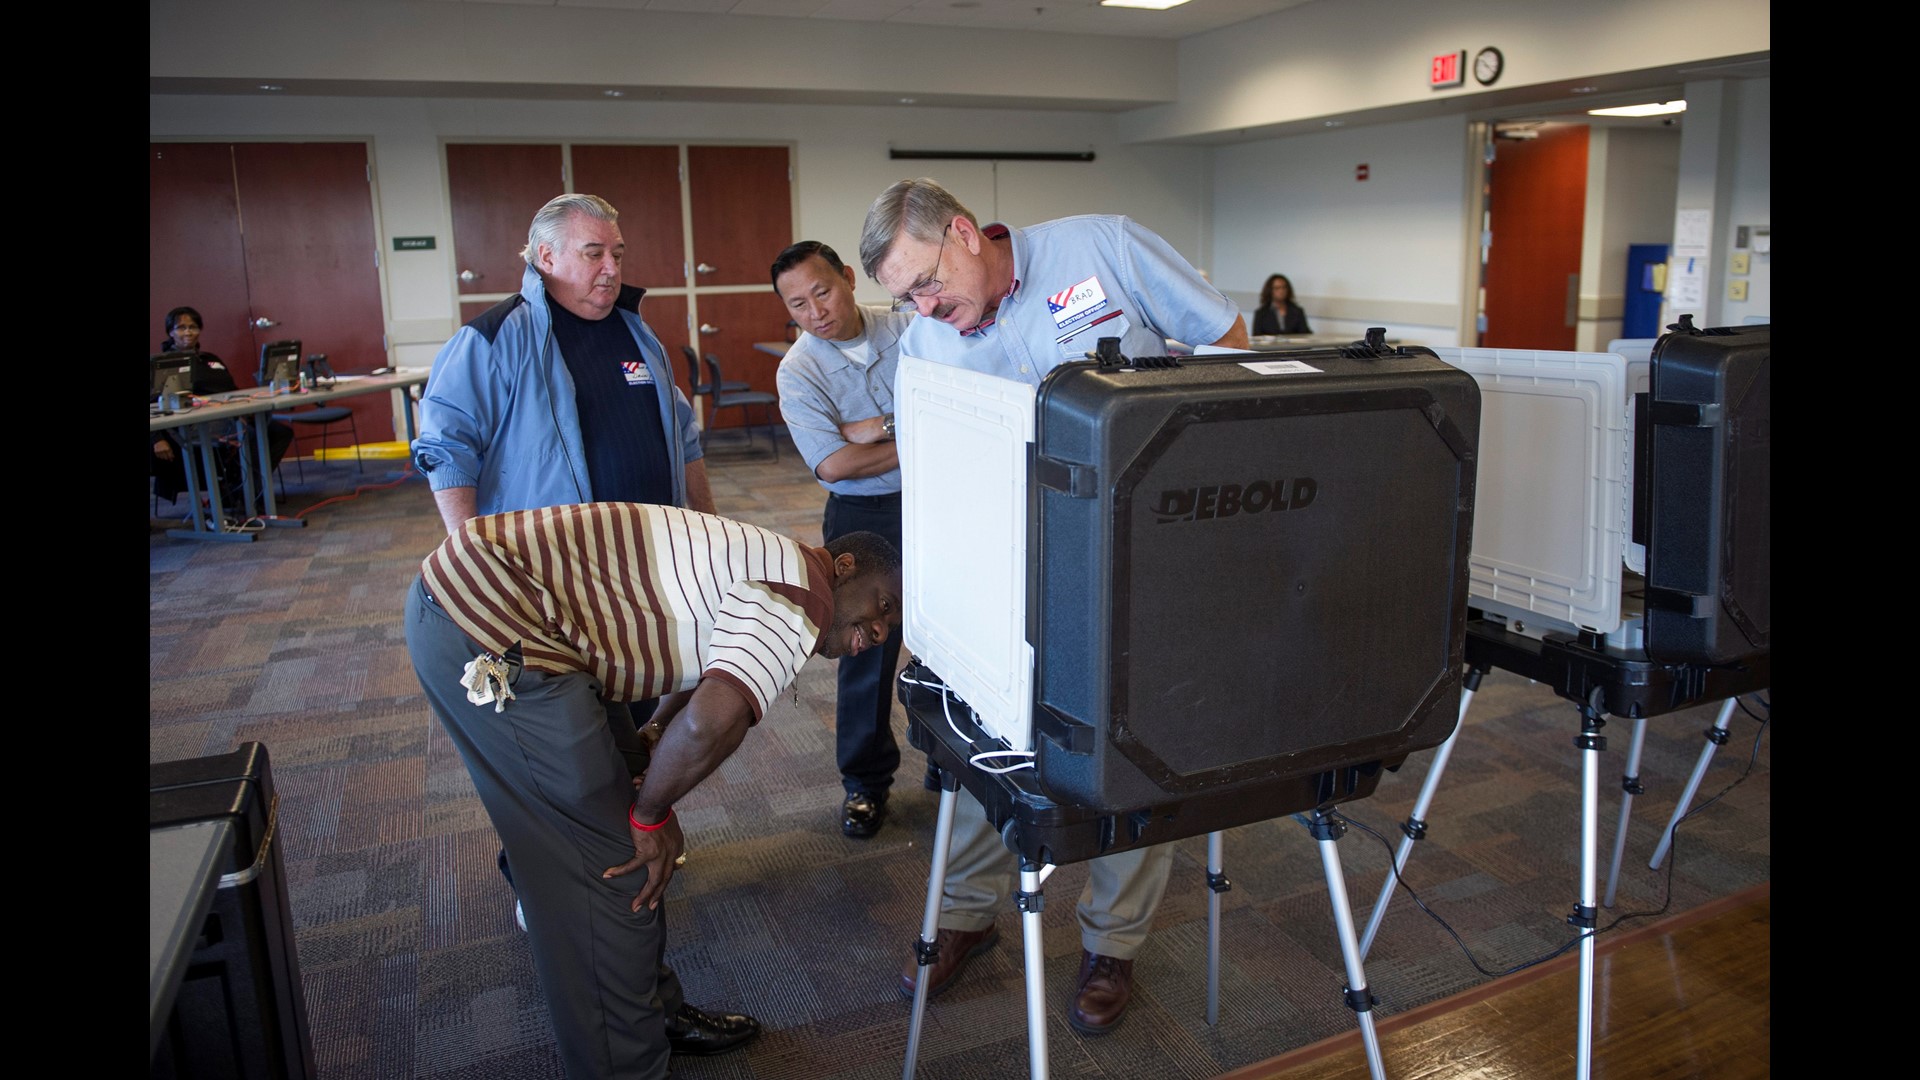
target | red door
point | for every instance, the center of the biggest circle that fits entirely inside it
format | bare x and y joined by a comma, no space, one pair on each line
313,266
643,184
194,254
1537,203
742,212
275,232
494,190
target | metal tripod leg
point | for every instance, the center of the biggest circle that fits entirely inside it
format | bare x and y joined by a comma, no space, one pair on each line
1414,829
1031,901
1629,787
1716,737
927,949
1327,831
1217,883
1591,743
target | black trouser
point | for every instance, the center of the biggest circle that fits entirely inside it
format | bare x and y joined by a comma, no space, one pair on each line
863,720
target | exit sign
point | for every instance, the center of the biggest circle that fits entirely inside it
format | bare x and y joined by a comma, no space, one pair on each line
1447,70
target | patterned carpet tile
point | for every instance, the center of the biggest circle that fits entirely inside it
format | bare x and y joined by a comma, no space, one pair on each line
412,965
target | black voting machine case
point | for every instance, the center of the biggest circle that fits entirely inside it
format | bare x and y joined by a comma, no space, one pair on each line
1247,588
240,1011
1706,456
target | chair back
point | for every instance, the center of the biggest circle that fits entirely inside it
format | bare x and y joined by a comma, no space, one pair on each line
694,385
280,360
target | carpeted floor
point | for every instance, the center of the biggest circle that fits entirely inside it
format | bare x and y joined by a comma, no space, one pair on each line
413,965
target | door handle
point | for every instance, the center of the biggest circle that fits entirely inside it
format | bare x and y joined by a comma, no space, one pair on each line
468,277
263,323
709,329
705,268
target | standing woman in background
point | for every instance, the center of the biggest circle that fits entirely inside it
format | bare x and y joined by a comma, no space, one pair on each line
1278,314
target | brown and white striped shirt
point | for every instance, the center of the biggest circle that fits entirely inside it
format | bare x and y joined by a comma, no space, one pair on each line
647,599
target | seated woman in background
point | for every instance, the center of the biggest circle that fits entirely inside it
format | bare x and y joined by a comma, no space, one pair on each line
1278,314
210,376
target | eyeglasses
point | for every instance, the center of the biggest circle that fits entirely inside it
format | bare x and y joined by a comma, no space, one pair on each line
928,285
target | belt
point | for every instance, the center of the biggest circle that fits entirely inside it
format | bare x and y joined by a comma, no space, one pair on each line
890,499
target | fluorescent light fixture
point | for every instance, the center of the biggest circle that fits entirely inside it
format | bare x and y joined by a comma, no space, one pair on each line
1650,109
1151,5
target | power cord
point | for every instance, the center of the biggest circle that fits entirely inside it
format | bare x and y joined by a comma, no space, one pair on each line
1673,857
947,696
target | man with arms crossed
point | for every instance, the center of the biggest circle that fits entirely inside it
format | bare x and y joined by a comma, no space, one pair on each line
836,392
1015,303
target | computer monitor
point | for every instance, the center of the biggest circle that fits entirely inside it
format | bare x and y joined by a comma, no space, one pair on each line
280,360
172,374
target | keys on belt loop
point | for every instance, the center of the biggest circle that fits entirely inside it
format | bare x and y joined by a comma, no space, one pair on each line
487,678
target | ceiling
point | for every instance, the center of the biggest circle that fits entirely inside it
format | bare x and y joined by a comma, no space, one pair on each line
1061,16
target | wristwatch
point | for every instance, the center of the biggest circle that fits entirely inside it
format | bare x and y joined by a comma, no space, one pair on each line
888,424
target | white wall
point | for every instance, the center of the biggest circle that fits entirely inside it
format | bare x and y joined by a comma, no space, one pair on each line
841,164
1387,251
1752,201
1631,178
1345,58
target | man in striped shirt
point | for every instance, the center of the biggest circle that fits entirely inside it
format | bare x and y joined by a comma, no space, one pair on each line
519,627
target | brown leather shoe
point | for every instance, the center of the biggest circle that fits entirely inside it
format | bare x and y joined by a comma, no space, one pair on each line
957,947
1106,985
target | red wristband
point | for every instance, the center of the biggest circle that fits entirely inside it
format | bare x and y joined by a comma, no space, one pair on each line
635,821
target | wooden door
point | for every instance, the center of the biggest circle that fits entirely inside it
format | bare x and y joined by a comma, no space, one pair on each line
194,254
729,325
1537,204
643,184
313,264
494,189
742,211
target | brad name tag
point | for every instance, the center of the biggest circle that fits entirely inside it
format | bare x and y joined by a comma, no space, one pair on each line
636,373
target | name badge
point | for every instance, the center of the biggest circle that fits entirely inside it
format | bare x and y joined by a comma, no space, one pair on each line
1078,304
636,373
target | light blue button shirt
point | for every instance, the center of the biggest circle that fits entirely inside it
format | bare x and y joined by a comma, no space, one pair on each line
1081,279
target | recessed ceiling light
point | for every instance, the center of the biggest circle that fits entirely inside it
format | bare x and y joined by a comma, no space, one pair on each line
614,93
1650,109
1584,89
1335,123
907,100
271,86
1152,5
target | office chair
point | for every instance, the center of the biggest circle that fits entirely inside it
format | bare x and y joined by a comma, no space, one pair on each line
693,376
320,416
743,400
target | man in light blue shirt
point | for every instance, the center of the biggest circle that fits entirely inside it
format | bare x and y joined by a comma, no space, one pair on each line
836,392
1015,303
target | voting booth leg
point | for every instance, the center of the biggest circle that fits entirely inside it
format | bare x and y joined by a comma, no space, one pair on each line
1414,829
1217,883
1629,787
1716,737
927,949
1591,744
1326,831
1031,902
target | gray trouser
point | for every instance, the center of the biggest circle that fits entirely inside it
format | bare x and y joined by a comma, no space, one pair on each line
557,789
1115,910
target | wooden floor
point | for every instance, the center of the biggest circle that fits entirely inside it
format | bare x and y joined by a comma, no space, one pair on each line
1686,997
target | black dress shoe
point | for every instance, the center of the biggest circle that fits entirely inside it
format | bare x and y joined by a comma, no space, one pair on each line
699,1034
862,813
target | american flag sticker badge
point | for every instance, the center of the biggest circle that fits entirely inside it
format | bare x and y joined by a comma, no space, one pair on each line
1069,306
636,373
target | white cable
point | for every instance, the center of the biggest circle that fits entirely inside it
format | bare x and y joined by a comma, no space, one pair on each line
946,709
